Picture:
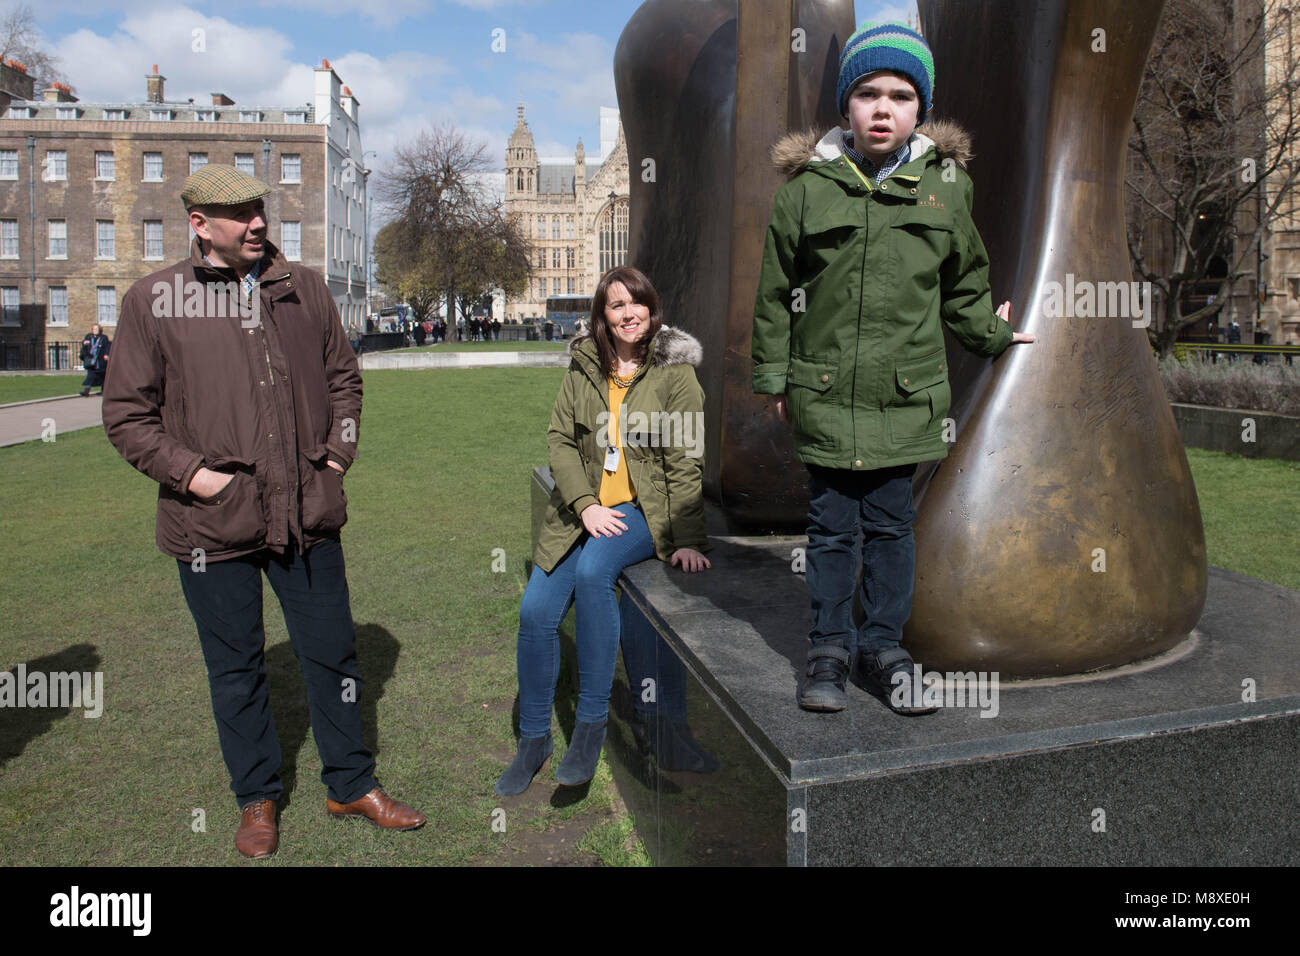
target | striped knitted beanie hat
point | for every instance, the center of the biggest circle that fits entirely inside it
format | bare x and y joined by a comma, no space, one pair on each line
887,46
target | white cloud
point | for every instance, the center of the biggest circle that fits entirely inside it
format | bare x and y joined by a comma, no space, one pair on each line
198,55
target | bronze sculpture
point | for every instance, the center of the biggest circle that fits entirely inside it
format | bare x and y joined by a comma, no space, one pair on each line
1062,533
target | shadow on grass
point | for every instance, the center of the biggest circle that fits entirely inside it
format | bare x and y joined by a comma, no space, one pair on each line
377,652
19,726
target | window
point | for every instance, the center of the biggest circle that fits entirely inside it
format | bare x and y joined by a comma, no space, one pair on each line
569,258
9,306
250,116
541,227
244,163
104,168
160,116
20,112
56,165
541,258
58,230
105,239
573,286
153,239
291,168
8,238
568,227
114,114
197,162
291,240
106,305
205,116
153,167
555,258
613,236
8,164
295,116
555,287
65,113
58,305
555,227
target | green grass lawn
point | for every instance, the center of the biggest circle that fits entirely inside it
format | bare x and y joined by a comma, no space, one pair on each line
1251,513
22,388
437,490
431,498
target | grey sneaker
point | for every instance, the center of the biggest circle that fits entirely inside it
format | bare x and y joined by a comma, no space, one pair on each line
878,672
828,670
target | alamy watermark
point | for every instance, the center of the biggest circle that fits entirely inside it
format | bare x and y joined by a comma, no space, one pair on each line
1082,299
949,689
56,689
205,300
656,430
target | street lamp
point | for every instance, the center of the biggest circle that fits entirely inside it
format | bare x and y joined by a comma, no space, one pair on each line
365,191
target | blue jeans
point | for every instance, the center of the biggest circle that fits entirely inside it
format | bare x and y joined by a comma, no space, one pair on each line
880,503
588,574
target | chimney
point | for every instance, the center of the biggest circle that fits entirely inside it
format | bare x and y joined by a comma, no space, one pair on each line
221,99
59,93
154,86
14,81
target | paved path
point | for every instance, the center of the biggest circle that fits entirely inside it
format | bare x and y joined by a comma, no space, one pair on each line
25,421
369,360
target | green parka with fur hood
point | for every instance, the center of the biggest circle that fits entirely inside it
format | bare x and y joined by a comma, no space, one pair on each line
856,278
663,414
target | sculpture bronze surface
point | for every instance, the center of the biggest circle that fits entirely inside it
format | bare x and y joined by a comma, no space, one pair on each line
1062,533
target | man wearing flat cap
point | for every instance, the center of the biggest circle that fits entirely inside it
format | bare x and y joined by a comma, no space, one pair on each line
233,386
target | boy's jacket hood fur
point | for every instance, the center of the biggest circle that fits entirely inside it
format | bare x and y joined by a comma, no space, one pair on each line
794,152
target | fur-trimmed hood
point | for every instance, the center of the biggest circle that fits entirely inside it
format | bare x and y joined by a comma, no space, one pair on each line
794,152
670,346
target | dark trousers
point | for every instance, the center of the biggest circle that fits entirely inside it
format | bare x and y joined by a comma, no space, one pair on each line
226,601
879,503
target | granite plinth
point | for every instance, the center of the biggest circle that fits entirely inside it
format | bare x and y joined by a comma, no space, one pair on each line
1190,758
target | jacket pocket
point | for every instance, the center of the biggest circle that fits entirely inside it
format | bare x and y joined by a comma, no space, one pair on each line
921,398
232,518
812,409
922,233
324,503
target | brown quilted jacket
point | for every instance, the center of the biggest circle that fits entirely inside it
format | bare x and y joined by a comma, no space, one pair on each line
268,393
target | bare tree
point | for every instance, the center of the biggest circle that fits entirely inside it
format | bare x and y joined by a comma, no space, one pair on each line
1211,154
22,42
446,236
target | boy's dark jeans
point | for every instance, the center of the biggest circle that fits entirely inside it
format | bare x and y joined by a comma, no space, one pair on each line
879,502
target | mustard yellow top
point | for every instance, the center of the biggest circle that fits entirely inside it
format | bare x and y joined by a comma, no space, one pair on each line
616,486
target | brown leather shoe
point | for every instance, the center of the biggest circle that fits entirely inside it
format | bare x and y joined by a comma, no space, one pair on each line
380,809
258,837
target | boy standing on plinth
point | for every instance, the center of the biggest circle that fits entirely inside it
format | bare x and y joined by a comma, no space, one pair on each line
870,245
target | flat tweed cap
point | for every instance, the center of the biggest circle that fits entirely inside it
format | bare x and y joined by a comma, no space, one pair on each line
217,185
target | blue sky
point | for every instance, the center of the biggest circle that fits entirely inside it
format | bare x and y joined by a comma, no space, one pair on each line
410,63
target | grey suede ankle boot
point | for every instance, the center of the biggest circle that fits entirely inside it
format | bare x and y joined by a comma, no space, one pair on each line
579,763
532,756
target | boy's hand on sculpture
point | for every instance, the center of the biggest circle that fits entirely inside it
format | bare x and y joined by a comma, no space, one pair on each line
602,522
782,409
1004,310
689,559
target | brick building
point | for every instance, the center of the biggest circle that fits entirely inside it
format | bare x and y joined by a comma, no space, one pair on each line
90,199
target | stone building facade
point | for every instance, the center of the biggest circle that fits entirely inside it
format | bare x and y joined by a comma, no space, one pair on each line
90,200
574,214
